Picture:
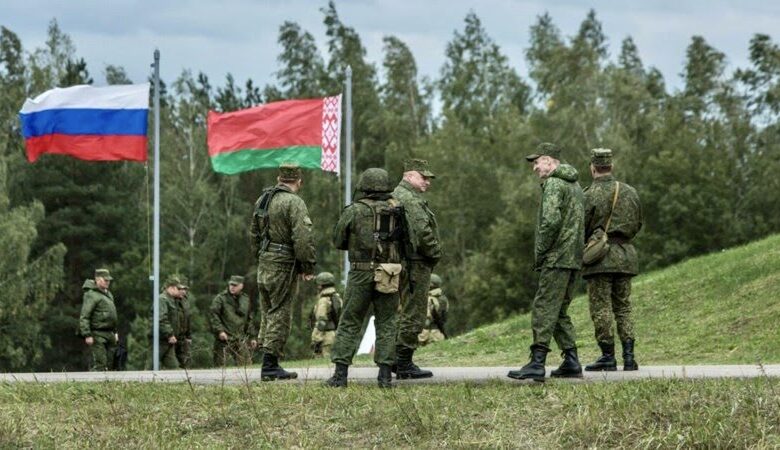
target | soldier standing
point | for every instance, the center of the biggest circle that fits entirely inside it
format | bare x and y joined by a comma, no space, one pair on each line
422,252
436,319
174,325
371,230
98,321
282,237
612,207
558,257
325,315
234,324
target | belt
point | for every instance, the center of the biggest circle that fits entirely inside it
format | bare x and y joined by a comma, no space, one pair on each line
362,265
279,248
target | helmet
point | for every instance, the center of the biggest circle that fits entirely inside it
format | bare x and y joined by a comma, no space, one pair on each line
435,281
374,180
325,279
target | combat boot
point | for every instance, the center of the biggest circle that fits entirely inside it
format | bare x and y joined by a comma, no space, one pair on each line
339,378
534,370
273,371
607,360
405,368
570,367
385,377
628,355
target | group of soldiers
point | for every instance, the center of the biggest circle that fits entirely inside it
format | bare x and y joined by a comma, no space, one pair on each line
392,240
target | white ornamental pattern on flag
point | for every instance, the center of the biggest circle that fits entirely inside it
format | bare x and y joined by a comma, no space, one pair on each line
331,134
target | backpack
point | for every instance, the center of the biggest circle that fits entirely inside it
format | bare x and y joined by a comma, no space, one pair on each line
260,220
388,229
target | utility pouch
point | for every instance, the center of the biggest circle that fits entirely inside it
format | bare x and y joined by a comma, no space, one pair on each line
596,248
387,277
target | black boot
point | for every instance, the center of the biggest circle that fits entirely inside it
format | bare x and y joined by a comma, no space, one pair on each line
339,378
535,368
570,367
272,371
405,368
385,377
628,355
607,360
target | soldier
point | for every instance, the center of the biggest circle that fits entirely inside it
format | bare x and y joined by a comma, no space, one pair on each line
174,326
613,207
371,229
234,324
422,252
284,244
558,257
325,315
98,321
435,320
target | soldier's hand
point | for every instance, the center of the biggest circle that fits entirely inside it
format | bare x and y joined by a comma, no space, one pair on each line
253,344
222,336
172,340
90,340
308,276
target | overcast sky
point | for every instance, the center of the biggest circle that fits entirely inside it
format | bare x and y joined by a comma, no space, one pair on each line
239,36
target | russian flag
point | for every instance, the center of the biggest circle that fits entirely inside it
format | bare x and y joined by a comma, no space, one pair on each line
86,122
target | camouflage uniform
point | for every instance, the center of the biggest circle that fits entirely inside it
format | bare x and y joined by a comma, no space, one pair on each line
174,321
325,318
98,320
609,280
236,316
436,318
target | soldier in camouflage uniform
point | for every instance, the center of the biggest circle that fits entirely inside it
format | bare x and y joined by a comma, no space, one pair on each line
234,324
558,257
98,321
371,229
175,331
282,238
609,280
422,252
436,319
325,315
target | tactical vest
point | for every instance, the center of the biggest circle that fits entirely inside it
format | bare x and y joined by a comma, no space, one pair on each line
376,237
433,307
334,312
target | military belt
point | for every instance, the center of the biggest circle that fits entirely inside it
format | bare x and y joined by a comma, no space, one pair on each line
280,248
362,265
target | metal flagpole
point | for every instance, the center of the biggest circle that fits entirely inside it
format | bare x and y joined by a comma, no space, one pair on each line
156,221
348,162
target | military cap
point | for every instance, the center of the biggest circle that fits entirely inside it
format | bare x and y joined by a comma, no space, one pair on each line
103,273
236,279
185,282
290,172
173,280
545,149
601,157
419,165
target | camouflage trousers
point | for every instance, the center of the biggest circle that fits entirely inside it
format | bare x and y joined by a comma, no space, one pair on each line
430,336
549,311
322,342
609,295
236,350
360,295
415,281
278,285
175,356
101,352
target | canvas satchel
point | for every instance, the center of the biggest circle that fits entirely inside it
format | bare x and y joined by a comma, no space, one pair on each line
597,246
387,278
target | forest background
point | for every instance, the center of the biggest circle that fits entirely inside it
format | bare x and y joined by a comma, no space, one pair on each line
705,159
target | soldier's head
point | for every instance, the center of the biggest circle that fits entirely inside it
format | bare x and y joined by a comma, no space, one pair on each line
236,284
600,162
325,279
185,285
291,175
546,159
103,278
435,281
173,286
417,173
374,180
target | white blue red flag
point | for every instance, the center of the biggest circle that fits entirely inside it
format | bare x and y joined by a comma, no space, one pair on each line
90,123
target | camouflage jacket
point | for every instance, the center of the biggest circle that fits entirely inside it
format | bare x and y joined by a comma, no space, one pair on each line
288,224
423,231
438,306
236,316
174,317
98,312
324,315
559,226
625,224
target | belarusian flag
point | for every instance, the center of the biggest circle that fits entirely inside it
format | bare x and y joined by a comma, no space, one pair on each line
306,132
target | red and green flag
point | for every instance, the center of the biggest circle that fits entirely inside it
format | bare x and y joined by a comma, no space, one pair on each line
306,132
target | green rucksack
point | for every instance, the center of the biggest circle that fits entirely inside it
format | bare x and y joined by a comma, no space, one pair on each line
260,238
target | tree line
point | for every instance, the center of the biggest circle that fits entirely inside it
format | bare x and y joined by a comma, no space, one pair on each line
703,158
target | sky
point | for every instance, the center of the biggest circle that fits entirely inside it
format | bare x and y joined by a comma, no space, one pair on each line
240,36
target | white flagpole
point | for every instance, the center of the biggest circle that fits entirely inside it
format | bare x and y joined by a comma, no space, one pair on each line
348,159
156,226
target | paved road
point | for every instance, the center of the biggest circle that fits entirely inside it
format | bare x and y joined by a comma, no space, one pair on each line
368,375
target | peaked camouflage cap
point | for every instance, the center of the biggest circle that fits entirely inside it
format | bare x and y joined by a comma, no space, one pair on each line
289,171
173,280
236,280
103,273
545,149
418,165
601,157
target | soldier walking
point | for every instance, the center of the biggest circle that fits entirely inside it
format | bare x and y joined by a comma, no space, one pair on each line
234,324
175,330
613,208
325,315
98,321
557,257
436,319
